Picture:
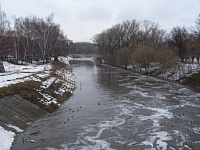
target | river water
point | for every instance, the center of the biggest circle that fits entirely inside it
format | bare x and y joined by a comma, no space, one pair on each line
116,109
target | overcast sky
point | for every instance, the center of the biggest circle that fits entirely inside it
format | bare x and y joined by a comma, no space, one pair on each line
82,19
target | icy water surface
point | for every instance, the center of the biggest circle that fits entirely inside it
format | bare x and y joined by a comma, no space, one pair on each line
116,109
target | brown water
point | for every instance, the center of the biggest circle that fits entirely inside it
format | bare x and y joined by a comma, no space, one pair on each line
116,109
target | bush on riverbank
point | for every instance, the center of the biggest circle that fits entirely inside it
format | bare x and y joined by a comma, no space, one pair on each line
163,67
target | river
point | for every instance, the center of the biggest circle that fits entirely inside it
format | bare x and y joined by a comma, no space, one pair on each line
112,108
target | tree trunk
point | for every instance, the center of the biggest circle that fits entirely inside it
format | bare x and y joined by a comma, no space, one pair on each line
56,58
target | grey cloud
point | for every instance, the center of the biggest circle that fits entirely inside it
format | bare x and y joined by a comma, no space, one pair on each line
95,13
81,19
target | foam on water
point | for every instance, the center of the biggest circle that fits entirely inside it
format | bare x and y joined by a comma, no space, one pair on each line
159,138
157,115
123,109
144,94
160,96
196,130
180,142
50,148
86,141
91,136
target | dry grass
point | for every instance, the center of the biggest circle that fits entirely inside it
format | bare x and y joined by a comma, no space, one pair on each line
19,88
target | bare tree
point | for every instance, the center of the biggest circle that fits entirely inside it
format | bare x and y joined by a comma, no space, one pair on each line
83,48
23,31
4,27
46,35
16,45
130,31
129,34
32,36
197,27
4,23
117,37
179,38
150,34
195,41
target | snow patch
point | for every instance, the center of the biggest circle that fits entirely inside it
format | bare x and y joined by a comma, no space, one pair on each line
174,73
65,59
20,73
6,138
181,70
15,128
46,84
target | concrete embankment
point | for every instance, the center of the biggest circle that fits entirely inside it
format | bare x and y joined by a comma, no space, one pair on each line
16,111
30,97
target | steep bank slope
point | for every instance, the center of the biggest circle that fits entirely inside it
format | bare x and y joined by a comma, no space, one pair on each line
193,80
32,96
47,89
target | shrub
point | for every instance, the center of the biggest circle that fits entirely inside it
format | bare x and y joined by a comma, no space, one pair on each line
143,56
123,57
98,59
166,58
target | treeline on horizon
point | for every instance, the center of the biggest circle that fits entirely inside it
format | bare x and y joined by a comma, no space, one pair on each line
84,48
31,36
144,43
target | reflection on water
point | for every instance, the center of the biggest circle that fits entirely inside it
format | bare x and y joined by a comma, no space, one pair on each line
117,109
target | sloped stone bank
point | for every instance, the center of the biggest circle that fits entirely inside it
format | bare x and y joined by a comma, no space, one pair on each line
24,102
18,112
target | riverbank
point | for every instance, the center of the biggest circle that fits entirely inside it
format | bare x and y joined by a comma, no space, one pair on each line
29,92
185,73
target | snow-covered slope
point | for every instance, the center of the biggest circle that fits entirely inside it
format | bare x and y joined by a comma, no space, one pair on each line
20,73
